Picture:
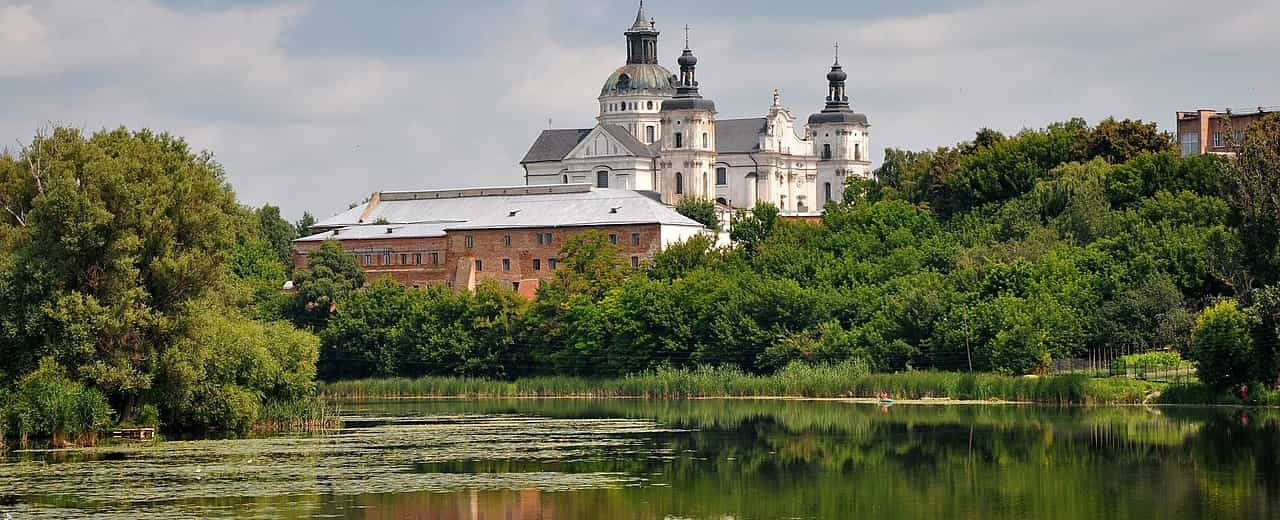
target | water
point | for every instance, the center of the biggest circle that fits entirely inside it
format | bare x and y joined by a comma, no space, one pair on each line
634,459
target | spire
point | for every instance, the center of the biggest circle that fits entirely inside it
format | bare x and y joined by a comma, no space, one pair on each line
837,98
687,96
643,23
642,39
837,51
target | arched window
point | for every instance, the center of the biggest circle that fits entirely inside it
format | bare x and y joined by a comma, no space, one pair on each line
722,201
679,182
564,179
706,141
722,176
649,132
602,179
679,140
706,188
826,192
826,151
857,152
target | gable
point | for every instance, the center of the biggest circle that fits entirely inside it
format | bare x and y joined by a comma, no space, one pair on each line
599,143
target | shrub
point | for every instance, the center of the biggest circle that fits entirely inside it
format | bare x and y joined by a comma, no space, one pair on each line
46,404
1222,347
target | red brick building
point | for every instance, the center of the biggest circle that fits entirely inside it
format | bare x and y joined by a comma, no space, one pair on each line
1210,131
510,234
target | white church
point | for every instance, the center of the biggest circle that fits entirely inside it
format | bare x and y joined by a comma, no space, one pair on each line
656,132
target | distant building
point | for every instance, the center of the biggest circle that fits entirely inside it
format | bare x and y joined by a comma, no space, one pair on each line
1210,131
656,132
510,234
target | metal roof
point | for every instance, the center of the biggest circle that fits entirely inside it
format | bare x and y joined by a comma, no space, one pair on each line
422,213
739,135
553,145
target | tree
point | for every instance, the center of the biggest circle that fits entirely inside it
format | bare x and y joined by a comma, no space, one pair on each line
589,266
1119,141
303,226
109,238
702,211
680,258
1254,191
1222,347
330,276
751,229
278,233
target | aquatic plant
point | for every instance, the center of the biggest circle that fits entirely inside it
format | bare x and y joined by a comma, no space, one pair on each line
46,404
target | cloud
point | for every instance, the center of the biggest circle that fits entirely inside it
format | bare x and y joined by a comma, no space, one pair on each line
306,120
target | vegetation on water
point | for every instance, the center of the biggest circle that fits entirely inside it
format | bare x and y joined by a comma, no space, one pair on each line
796,380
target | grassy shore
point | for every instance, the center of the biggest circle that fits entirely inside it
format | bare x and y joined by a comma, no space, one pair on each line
793,381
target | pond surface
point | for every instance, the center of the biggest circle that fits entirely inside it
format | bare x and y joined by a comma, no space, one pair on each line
636,459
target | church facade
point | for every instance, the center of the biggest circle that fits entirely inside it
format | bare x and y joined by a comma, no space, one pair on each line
656,132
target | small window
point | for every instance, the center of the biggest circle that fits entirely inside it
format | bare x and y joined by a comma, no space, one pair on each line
602,179
386,258
649,106
506,264
826,192
679,183
479,265
368,260
679,140
537,264
435,258
552,263
417,259
1218,140
469,241
404,259
506,240
613,238
649,132
706,140
635,239
548,238
722,176
857,151
706,186
826,151
635,262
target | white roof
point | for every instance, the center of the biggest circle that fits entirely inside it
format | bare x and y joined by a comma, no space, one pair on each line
431,213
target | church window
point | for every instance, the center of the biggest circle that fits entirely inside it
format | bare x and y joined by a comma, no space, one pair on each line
857,152
649,106
826,192
706,141
648,132
679,182
826,151
722,176
679,140
602,179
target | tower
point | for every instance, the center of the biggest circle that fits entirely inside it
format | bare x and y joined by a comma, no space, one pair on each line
633,94
688,137
841,139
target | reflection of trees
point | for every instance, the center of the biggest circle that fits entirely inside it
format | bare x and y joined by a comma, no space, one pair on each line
831,459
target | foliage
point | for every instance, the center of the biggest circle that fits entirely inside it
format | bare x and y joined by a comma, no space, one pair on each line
46,404
302,228
702,211
1222,347
752,228
331,274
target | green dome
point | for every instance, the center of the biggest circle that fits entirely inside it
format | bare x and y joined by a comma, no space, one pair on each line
639,78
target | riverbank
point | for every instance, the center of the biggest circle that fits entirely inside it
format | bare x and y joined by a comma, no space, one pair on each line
794,381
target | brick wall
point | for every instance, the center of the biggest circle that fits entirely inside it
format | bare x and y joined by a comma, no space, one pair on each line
527,258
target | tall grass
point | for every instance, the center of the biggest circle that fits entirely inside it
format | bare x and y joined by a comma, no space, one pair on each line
795,380
300,415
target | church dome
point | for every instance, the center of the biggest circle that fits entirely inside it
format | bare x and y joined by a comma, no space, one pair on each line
635,78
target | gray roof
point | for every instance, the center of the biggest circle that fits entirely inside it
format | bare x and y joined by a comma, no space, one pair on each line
629,141
553,145
739,135
431,213
641,78
838,116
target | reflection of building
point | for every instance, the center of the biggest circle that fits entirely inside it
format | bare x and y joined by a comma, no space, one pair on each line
513,235
656,132
1210,131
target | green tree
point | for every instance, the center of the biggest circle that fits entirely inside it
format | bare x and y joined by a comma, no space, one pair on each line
278,233
302,227
330,276
750,229
1254,191
702,211
1119,141
684,256
1222,347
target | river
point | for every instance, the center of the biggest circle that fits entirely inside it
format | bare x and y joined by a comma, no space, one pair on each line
706,459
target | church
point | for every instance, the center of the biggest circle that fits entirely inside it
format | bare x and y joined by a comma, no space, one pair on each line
656,132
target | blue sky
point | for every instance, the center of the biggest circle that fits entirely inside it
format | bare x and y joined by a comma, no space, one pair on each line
313,104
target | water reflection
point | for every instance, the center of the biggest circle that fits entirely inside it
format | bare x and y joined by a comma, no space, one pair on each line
552,459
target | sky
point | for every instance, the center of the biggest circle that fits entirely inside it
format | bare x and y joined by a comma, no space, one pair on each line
312,105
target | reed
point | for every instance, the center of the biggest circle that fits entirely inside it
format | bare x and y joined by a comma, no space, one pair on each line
300,415
795,380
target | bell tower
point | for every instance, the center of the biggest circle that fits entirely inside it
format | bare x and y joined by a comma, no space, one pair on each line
841,138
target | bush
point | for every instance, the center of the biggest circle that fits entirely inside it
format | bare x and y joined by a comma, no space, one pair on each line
1222,347
46,404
